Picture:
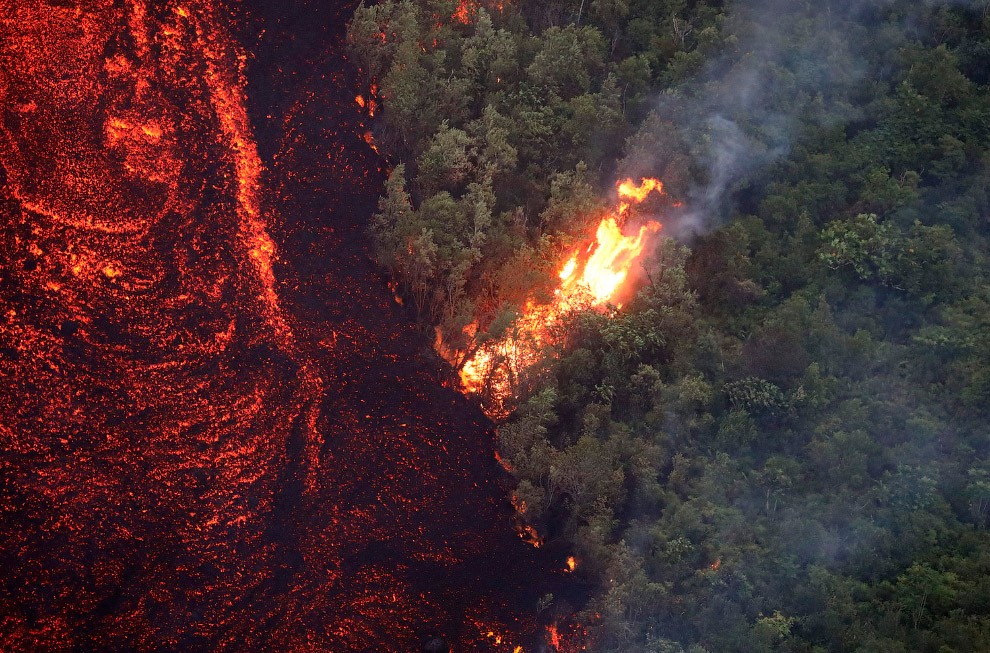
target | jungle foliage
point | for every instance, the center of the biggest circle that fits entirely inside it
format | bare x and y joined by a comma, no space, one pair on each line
782,442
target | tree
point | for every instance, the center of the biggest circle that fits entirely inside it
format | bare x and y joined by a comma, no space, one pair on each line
396,222
446,163
567,60
923,591
862,244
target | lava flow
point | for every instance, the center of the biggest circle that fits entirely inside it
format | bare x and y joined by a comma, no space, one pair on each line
219,430
594,275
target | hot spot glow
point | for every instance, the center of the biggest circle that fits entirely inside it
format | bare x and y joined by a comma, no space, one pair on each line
467,10
594,273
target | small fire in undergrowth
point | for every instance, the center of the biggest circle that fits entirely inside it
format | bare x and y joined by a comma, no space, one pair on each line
553,636
529,535
467,10
371,103
592,276
571,563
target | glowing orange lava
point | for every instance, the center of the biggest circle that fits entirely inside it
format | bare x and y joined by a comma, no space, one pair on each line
594,274
207,444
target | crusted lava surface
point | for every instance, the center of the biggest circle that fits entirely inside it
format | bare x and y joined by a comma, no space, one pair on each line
220,431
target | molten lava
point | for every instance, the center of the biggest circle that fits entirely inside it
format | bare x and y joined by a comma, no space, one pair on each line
218,431
594,274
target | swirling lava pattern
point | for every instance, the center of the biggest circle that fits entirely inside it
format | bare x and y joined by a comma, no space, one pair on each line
219,430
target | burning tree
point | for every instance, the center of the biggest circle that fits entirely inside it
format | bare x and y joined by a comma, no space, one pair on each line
593,277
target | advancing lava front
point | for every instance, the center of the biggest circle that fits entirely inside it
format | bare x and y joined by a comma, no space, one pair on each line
219,431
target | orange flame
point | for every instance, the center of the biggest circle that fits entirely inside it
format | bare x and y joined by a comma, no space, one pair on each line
553,636
613,258
592,276
467,10
638,193
530,536
571,563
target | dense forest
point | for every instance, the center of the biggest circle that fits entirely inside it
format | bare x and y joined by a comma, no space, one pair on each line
781,442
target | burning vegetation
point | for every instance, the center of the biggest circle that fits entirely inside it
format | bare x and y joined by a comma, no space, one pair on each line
807,382
596,271
467,10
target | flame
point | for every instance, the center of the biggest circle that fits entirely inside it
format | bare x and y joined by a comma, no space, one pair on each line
613,258
530,536
369,138
638,193
517,503
467,10
553,636
568,270
595,272
571,563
